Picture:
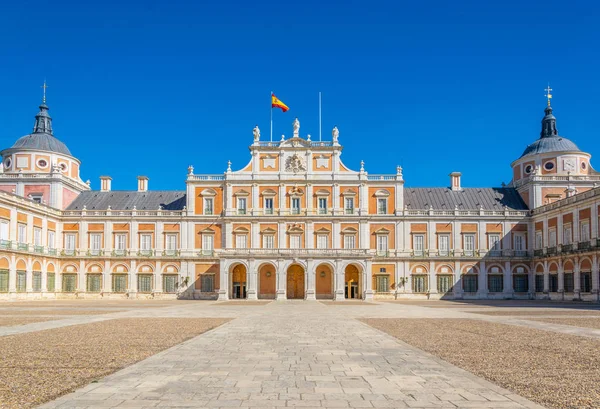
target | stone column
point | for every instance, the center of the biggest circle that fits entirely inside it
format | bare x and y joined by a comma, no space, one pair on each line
432,279
81,282
368,278
228,199
309,198
255,235
594,222
336,199
106,284
29,276
595,277
458,288
408,282
482,284
561,279
310,236
159,240
281,242
546,281
575,226
223,281
311,280
252,290
339,282
255,205
44,274
108,236
157,286
508,284
335,235
281,195
281,280
12,274
577,280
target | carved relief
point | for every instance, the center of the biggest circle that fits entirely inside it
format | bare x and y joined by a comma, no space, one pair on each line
295,163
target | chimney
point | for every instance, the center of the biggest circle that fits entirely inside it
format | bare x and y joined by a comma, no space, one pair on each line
105,183
142,183
455,181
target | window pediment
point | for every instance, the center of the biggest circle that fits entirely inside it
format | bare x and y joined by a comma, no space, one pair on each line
382,193
295,229
242,193
322,192
348,192
268,230
323,230
241,230
208,192
295,191
269,193
349,230
383,230
207,231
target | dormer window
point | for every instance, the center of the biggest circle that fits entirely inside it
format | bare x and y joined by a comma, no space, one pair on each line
549,166
42,163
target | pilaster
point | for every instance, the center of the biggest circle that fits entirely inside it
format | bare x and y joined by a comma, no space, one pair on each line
252,291
311,280
368,277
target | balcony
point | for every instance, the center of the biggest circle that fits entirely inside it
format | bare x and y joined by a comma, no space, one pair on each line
275,252
520,253
241,211
95,253
52,252
5,244
494,253
382,253
145,253
538,253
119,253
551,251
38,249
584,246
171,253
206,253
68,252
567,248
22,246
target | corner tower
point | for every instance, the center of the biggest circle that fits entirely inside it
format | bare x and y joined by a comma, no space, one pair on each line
552,167
40,167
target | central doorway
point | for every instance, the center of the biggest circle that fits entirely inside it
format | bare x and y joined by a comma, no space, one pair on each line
295,282
351,282
238,281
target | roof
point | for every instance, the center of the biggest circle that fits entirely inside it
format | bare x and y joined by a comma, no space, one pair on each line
441,198
551,144
128,199
41,142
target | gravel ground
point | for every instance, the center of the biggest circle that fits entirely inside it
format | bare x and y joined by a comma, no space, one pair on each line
555,370
575,322
537,311
41,366
10,321
46,312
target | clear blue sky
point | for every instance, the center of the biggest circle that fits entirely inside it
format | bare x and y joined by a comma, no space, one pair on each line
149,87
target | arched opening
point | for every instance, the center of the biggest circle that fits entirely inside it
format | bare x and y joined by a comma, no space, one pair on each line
585,276
324,281
553,278
568,277
238,281
539,278
267,281
470,280
352,283
295,282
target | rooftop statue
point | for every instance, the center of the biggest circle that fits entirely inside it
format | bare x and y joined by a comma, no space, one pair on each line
335,133
256,133
296,125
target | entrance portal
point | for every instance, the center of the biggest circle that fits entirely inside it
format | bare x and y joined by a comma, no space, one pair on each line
295,282
324,282
267,281
351,282
238,281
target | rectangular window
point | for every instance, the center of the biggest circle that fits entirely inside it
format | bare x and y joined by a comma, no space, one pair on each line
585,231
51,284
349,241
494,242
268,241
4,230
445,283
349,205
539,240
119,283
521,283
145,283
539,283
469,244
21,281
443,244
145,242
295,205
495,283
553,283
469,282
120,241
69,283
37,236
4,281
381,205
95,243
382,284
171,242
22,233
382,244
322,241
585,282
208,242
419,284
552,238
519,242
208,206
94,283
51,239
322,205
70,241
170,283
207,283
418,244
241,241
241,205
268,205
295,241
37,281
567,235
569,283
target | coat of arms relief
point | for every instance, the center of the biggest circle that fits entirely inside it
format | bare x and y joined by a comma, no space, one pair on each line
295,163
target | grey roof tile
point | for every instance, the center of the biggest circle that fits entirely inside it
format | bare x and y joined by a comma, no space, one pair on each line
127,199
441,198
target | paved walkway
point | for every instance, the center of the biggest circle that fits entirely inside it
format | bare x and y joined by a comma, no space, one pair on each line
289,354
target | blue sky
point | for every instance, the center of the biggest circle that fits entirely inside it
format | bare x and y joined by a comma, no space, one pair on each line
149,87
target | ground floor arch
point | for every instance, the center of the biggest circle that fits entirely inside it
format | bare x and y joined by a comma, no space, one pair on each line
239,279
324,281
295,282
267,281
352,282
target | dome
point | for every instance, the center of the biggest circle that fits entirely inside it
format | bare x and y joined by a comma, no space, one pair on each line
551,144
42,142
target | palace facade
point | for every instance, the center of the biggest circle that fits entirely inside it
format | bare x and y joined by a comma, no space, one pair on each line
296,222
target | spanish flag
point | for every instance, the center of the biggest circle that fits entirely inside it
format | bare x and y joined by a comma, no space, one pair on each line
276,103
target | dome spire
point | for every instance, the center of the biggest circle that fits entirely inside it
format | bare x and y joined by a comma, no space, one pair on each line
549,122
43,121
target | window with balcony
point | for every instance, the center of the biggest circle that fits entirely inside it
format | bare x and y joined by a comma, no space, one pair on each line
349,205
567,234
268,205
268,241
208,243
539,240
37,236
171,243
145,242
444,244
21,233
381,205
322,205
209,207
69,243
241,241
552,237
322,241
51,239
95,243
382,244
469,244
241,205
418,244
4,226
295,205
584,231
494,244
349,241
519,243
120,242
295,241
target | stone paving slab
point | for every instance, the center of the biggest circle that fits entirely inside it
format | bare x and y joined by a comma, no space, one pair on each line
293,354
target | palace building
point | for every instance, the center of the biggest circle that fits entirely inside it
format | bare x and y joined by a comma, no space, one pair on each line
297,223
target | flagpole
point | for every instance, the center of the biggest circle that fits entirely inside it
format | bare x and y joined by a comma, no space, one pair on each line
271,103
319,116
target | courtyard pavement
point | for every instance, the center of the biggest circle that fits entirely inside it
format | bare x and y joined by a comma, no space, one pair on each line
291,354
